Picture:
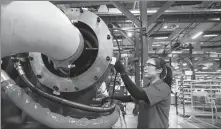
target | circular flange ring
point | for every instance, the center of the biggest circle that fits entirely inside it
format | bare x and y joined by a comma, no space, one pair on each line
98,68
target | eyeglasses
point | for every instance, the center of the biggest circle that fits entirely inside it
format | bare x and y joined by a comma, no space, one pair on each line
149,64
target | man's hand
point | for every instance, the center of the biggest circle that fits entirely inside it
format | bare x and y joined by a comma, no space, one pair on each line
120,67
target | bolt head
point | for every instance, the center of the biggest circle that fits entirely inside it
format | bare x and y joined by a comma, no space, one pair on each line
108,36
95,78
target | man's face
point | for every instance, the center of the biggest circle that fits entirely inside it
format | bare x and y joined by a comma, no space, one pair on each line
150,70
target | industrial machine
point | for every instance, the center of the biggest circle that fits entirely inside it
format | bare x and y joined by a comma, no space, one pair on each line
53,62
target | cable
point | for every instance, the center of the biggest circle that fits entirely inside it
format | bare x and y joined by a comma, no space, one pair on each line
19,68
113,91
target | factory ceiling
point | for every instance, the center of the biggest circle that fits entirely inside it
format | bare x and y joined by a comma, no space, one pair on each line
171,26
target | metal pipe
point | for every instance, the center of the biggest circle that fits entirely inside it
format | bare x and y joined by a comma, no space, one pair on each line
19,97
38,26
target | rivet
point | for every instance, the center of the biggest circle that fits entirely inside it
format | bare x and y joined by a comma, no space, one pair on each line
95,77
30,58
108,36
39,76
98,19
55,88
108,58
81,10
76,88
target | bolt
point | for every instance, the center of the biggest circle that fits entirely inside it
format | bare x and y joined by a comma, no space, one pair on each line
71,66
55,88
108,36
95,77
81,10
30,58
98,19
76,88
39,76
108,58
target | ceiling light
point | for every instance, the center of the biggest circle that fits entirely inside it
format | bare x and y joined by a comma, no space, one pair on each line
129,34
151,11
165,27
184,64
156,45
205,68
117,40
161,37
85,8
217,19
197,35
210,35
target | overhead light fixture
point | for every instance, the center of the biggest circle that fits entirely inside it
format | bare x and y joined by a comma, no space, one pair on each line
216,19
156,45
210,35
165,26
129,34
85,8
151,11
117,40
161,37
197,35
184,64
205,68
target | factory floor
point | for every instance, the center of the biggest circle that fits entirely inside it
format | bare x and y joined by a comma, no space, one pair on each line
131,120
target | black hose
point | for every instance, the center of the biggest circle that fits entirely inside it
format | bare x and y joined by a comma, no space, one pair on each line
113,90
88,108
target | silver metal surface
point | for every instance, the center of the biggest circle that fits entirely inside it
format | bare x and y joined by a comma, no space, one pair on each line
127,13
94,73
4,76
38,26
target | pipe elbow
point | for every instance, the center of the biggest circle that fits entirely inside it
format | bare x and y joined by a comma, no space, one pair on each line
26,28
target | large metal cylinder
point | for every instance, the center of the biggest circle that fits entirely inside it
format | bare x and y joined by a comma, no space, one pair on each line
41,31
38,26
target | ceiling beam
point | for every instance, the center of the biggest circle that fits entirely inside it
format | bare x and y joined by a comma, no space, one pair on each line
154,17
75,4
177,31
127,13
212,46
123,33
201,27
206,4
168,11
